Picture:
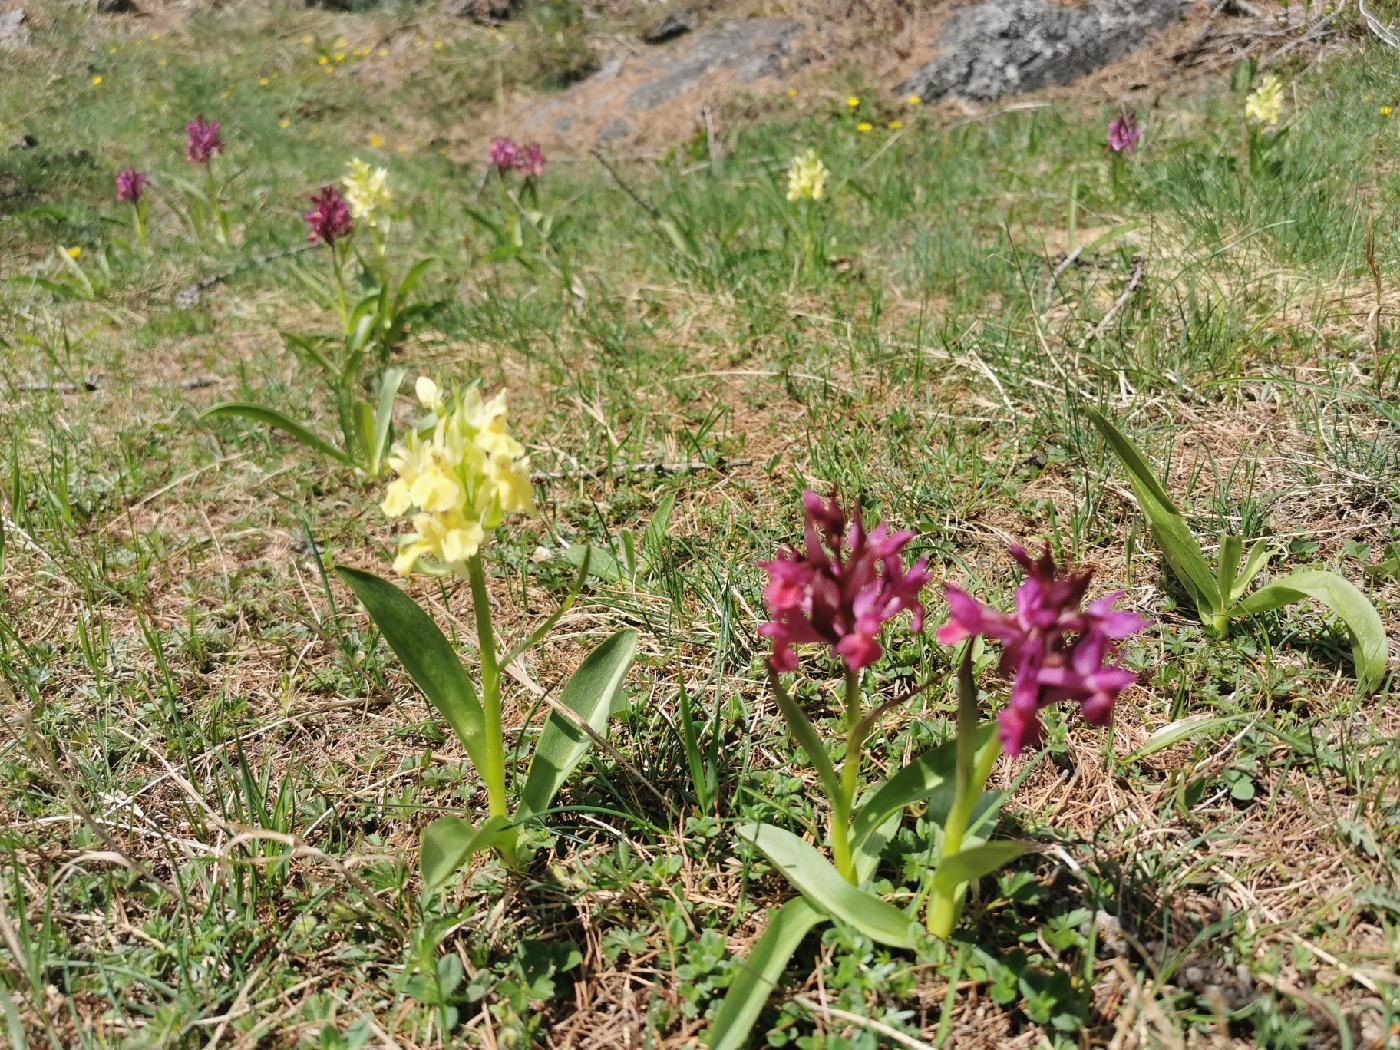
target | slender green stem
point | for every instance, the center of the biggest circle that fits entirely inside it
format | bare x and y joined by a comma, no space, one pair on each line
220,219
140,225
495,772
338,268
970,777
850,781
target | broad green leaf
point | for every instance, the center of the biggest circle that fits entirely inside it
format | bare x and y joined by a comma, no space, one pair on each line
601,564
867,853
428,657
969,864
1228,563
757,976
1257,558
449,842
915,782
384,416
589,694
1187,728
801,727
412,280
816,879
1168,525
304,346
1350,606
271,417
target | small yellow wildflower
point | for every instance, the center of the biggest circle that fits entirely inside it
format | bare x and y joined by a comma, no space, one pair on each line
154,37
895,125
340,56
1386,111
263,81
112,50
1265,103
96,80
461,479
321,60
792,92
73,253
852,101
162,63
806,177
383,52
342,42
401,148
914,100
864,126
367,191
284,123
442,151
225,95
308,40
438,45
375,142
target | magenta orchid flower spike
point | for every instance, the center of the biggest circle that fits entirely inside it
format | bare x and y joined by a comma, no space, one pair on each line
1124,133
503,155
131,184
203,141
329,218
841,589
1051,648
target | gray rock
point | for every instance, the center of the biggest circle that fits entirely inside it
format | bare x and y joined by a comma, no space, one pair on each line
1003,47
488,12
738,52
14,34
115,7
676,24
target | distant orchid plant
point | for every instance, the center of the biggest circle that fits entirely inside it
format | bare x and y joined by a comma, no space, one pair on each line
807,177
203,140
841,590
131,189
1124,133
522,230
459,474
1263,112
371,325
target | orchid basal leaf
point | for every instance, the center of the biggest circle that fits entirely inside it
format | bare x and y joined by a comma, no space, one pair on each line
428,657
590,695
1368,641
271,417
759,974
822,885
449,842
1168,524
972,863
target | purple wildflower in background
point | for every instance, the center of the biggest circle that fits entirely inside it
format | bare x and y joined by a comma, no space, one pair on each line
131,184
1123,132
204,140
503,155
329,219
841,590
1053,649
529,160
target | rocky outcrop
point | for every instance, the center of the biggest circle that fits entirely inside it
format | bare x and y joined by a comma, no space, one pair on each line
1004,47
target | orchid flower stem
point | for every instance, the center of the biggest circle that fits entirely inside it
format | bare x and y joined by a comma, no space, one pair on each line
140,225
338,268
220,219
850,778
495,772
970,777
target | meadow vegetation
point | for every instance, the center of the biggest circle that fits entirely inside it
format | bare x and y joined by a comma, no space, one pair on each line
216,773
